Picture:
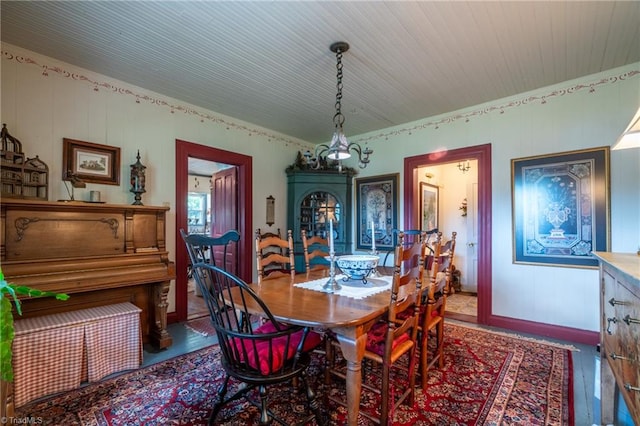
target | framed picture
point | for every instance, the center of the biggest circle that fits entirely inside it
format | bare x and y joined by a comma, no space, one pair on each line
91,162
561,207
376,211
429,197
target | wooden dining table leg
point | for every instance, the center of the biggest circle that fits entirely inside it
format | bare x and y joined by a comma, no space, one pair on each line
353,351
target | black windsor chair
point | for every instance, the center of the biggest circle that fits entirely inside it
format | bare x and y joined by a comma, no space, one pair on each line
258,355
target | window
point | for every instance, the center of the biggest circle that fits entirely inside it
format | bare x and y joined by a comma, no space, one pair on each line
197,216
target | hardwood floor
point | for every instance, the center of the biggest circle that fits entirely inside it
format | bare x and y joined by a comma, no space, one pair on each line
584,360
196,306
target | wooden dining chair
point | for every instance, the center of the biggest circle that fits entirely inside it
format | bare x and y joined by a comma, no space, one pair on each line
410,237
392,340
274,256
256,354
432,315
447,252
214,250
268,233
316,249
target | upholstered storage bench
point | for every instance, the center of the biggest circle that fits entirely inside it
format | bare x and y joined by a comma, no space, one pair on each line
57,352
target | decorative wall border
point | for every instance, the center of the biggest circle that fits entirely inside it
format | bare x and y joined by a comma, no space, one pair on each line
271,137
467,116
140,97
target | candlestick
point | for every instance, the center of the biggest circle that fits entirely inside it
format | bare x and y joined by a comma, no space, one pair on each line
331,285
331,236
373,237
374,273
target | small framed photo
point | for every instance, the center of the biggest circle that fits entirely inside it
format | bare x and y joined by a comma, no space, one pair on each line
377,211
91,162
561,208
429,208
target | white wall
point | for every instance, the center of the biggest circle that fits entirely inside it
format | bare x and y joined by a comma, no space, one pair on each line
585,113
71,102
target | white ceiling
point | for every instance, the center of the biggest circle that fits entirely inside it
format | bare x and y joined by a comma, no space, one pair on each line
269,63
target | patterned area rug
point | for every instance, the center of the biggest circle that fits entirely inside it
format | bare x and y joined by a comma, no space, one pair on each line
488,379
201,326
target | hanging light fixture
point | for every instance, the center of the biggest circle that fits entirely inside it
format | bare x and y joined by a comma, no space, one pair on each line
340,148
630,138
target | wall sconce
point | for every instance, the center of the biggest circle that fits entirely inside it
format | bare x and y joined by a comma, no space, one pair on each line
464,168
271,210
76,182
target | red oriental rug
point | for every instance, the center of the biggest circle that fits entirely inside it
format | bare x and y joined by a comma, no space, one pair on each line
201,326
488,379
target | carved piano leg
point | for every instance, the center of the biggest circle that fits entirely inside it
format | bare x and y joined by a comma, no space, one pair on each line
160,337
6,399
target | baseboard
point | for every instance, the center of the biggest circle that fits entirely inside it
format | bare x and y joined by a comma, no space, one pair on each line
546,330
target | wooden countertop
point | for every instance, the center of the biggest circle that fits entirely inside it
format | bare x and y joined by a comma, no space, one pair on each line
627,263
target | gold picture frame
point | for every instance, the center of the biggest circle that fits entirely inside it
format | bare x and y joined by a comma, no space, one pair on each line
561,208
429,206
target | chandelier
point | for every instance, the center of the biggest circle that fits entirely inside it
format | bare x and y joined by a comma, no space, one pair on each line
340,148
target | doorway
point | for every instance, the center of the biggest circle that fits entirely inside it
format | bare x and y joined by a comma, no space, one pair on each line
243,212
481,153
455,188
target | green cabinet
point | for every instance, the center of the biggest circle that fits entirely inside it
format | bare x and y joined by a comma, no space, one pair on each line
314,198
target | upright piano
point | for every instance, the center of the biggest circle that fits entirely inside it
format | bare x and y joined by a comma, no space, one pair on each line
99,254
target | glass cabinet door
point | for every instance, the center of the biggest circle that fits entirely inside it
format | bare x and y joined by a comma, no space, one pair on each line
316,210
314,198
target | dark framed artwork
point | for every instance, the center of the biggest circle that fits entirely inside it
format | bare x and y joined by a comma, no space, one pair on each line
560,207
91,162
429,207
377,210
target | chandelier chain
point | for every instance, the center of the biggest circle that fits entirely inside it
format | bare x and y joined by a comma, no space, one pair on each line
338,119
340,148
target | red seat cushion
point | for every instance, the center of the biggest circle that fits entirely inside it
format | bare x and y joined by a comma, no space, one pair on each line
278,347
405,314
423,308
377,335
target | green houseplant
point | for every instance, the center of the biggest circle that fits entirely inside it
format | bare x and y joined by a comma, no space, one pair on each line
7,328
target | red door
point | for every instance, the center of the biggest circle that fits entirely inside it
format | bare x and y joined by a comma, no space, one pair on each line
224,213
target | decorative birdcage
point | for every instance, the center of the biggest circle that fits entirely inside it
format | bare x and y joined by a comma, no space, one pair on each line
21,177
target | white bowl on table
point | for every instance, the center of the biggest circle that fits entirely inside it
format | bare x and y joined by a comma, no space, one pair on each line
357,267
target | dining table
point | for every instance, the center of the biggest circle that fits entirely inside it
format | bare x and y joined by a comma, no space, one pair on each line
348,317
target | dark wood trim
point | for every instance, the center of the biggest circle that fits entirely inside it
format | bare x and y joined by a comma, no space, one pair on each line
184,150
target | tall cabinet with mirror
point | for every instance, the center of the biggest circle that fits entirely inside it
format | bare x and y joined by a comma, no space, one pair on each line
313,199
